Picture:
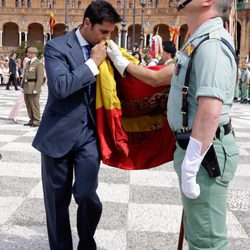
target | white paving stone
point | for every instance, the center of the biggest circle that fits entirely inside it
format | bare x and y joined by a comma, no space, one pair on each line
37,191
7,206
111,239
19,169
243,170
113,192
154,218
7,138
154,178
235,230
20,147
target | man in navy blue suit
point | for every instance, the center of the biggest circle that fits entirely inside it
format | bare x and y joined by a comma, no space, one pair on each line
67,137
12,71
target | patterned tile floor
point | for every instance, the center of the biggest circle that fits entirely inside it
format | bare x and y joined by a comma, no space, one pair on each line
142,209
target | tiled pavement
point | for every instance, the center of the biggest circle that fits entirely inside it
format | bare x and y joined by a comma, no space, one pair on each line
142,209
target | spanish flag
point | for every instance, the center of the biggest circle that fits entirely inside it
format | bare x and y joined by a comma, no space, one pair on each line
52,20
131,120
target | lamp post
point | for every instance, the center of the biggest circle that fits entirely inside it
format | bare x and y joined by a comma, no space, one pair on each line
133,34
123,30
66,29
143,4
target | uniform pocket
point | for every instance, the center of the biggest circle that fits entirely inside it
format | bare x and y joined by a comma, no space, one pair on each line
228,157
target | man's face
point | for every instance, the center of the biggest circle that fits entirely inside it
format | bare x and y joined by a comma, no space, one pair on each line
165,56
98,32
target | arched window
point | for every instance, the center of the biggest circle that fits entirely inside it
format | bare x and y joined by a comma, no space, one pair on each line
118,4
42,4
17,3
157,3
49,4
22,3
54,4
130,5
73,4
79,4
150,3
29,3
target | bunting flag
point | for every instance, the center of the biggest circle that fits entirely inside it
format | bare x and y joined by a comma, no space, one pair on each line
174,33
131,120
52,21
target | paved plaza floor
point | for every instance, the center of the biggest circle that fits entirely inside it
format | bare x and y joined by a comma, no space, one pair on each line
141,209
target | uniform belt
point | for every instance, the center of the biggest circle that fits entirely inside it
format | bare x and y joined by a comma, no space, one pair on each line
227,129
183,138
30,80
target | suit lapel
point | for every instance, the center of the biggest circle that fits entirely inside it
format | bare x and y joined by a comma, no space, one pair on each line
75,48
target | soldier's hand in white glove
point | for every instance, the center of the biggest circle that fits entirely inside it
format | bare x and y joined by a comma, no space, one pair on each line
116,57
34,92
190,167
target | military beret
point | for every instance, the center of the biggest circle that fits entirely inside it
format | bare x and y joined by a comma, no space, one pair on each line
32,50
169,47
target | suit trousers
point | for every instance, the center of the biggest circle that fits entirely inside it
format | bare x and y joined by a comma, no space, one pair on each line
83,161
205,217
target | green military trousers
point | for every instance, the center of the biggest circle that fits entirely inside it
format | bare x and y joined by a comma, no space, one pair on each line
205,217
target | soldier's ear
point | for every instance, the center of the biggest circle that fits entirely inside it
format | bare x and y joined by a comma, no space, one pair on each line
208,3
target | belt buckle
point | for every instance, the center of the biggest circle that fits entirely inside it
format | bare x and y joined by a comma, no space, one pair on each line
184,90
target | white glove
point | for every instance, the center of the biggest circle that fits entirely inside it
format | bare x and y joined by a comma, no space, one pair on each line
34,92
190,167
116,57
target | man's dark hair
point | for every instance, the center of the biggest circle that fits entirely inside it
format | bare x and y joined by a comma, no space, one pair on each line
101,11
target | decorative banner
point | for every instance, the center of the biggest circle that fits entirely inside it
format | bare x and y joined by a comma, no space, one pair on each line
131,121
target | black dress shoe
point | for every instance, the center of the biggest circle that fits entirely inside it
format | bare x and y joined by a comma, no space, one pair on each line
27,124
34,125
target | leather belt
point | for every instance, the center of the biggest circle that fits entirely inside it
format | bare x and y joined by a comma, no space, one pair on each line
29,80
227,129
183,138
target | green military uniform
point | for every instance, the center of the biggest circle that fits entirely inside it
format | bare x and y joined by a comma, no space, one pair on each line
213,74
32,82
244,85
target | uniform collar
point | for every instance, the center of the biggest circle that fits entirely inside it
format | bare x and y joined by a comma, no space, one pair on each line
33,59
206,28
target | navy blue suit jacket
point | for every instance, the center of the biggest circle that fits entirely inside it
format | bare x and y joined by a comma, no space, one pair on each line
68,105
12,66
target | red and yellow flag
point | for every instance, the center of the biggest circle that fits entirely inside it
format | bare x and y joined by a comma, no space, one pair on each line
131,121
52,20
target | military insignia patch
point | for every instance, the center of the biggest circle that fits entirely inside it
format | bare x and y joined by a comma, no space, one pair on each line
189,49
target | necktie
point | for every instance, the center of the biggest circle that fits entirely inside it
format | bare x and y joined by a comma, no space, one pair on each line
87,53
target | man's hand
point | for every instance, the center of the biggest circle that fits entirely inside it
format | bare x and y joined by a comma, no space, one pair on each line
190,167
98,53
34,92
116,57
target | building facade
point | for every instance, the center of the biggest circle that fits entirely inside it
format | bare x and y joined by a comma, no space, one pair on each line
26,21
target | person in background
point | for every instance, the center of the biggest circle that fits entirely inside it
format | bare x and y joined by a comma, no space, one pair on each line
32,82
67,136
12,71
20,99
137,55
168,53
149,59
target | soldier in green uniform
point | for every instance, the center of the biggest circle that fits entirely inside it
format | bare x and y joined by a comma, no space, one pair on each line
244,85
201,95
32,81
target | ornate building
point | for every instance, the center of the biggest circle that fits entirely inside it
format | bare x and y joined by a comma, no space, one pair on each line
26,21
